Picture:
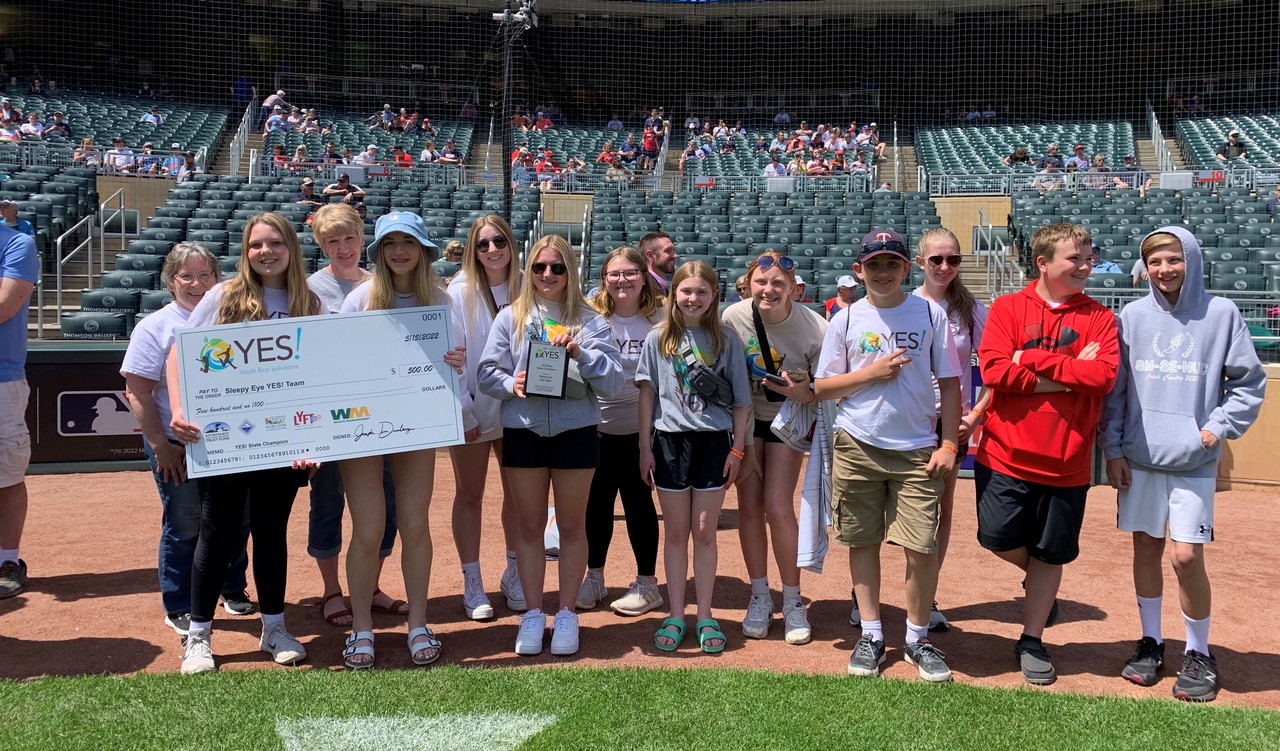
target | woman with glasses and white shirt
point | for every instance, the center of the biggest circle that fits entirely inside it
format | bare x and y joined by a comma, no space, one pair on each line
490,273
548,442
938,255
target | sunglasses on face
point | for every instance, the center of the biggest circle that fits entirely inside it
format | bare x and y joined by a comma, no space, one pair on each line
879,245
949,260
557,269
786,263
498,242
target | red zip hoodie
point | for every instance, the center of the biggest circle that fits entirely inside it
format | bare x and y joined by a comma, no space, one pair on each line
1045,438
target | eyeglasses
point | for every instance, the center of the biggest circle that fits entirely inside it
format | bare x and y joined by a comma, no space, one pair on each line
879,245
629,275
499,242
949,260
189,278
786,263
557,269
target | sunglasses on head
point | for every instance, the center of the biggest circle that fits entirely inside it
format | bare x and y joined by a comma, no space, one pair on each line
879,245
558,269
498,242
786,263
952,260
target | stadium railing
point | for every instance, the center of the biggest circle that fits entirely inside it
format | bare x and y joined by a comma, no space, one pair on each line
242,137
1004,274
1164,159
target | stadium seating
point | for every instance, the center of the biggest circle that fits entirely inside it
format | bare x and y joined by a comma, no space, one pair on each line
351,131
981,150
1201,138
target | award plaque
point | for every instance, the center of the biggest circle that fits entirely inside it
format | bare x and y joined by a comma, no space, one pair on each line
548,371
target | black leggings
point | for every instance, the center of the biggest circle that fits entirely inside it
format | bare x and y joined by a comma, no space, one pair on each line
269,493
619,474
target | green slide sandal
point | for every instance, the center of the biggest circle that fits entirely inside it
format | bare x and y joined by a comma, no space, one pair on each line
671,628
705,636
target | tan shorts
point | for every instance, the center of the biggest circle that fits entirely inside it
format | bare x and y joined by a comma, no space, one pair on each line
15,441
879,495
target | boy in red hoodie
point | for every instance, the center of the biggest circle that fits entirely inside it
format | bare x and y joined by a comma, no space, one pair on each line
1050,353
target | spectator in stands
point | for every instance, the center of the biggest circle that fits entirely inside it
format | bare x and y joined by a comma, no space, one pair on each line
692,123
1018,156
32,127
800,292
37,88
1234,148
795,145
152,116
58,126
372,154
307,194
148,160
19,271
707,147
363,211
782,118
279,159
402,120
1100,176
1048,178
575,165
1099,265
349,191
859,163
120,157
270,105
1051,159
523,174
649,148
629,152
347,156
617,173
838,140
401,158
9,112
775,167
654,121
838,163
276,123
884,188
450,154
691,153
761,146
429,153
189,167
330,154
660,257
173,162
1139,178
427,128
10,131
614,123
818,165
382,119
301,159
779,142
728,146
295,118
310,124
9,214
738,129
1077,161
243,91
797,166
1273,202
543,123
414,126
845,287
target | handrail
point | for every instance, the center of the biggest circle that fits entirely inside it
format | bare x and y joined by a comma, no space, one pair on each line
1164,159
62,260
488,151
660,165
897,160
253,164
241,138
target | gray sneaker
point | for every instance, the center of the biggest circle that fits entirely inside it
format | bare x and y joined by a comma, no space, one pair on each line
281,645
197,654
929,660
1198,679
642,597
759,617
1145,664
179,622
868,656
511,589
1034,660
592,592
13,578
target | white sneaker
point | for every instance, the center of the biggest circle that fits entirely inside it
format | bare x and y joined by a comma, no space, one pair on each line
475,603
564,633
512,590
197,654
533,627
759,617
796,624
592,592
640,599
280,644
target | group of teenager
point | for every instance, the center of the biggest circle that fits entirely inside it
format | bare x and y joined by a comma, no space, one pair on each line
668,392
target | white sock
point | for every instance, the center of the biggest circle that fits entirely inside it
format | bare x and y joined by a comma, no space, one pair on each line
873,629
1197,633
1149,614
916,633
205,627
760,586
790,595
471,568
596,573
270,620
9,555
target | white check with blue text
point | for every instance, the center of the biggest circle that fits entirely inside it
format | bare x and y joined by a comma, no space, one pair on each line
323,387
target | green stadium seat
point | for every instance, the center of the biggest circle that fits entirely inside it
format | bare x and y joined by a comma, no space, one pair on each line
130,279
94,325
121,300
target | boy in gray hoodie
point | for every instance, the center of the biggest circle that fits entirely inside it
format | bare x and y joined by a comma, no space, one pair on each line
1189,379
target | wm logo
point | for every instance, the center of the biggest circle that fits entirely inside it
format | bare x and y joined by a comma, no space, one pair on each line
349,413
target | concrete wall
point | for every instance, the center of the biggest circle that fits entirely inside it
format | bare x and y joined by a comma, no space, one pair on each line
564,207
145,194
1250,463
960,215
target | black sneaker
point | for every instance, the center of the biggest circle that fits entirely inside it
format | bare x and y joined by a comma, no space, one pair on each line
1146,663
1053,614
1034,660
179,622
13,578
238,603
868,656
1198,679
929,660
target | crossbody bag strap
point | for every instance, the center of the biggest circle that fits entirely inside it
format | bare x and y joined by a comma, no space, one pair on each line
766,352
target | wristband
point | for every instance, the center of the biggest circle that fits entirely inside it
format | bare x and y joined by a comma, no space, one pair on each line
950,448
739,453
977,412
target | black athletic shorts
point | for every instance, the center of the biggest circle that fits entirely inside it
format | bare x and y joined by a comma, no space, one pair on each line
690,460
764,433
1014,514
578,448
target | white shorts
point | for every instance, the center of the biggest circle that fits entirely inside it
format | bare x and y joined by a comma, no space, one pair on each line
15,441
1156,500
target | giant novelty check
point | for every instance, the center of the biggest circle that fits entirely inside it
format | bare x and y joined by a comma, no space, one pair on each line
323,387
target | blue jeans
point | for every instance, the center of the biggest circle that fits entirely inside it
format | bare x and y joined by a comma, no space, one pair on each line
179,531
324,533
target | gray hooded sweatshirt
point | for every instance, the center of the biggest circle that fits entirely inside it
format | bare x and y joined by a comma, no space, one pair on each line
1184,368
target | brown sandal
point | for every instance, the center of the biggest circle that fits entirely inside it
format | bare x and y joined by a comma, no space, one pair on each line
332,618
397,607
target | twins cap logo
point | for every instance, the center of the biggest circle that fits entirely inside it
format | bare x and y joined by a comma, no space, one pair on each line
884,237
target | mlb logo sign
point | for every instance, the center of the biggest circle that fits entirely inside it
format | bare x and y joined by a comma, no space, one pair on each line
83,413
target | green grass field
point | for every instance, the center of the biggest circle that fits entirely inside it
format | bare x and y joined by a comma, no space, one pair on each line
465,708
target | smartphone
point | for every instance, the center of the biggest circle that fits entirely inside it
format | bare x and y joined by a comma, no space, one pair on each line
776,379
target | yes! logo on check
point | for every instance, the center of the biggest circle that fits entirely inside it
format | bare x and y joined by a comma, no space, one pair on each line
347,414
